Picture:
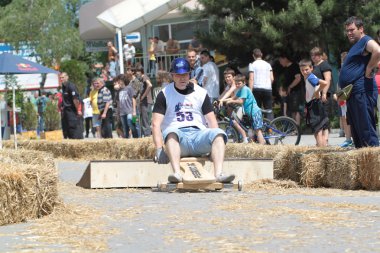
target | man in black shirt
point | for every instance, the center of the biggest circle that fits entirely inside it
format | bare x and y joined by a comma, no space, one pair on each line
293,86
72,118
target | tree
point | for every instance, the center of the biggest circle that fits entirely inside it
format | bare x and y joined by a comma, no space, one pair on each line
5,2
10,82
48,26
29,117
77,73
291,27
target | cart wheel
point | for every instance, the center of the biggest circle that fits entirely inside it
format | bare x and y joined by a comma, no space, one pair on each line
240,185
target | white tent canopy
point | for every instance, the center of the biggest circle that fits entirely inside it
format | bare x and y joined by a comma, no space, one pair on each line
130,15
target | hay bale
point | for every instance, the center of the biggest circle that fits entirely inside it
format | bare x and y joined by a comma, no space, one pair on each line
312,169
287,163
28,185
368,167
251,150
97,149
29,157
341,170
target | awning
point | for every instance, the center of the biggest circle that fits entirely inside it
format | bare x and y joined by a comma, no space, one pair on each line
130,15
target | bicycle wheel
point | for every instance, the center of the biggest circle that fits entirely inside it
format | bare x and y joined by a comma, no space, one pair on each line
232,135
267,132
284,130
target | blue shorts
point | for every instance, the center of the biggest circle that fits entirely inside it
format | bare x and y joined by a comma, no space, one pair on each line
257,120
194,141
96,120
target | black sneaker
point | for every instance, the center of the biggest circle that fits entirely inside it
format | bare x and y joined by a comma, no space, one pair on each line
175,178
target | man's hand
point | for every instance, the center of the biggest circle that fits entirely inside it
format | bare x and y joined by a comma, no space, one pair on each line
324,97
161,157
289,89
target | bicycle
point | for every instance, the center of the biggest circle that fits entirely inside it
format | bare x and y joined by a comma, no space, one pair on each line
281,130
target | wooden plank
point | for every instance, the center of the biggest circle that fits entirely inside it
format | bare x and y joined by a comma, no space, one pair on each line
200,186
194,173
145,173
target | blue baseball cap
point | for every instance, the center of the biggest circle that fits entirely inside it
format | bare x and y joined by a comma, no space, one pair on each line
180,66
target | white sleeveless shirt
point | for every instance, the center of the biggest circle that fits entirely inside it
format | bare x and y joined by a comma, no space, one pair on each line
184,110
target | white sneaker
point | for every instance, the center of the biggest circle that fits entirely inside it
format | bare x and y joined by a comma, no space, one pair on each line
225,178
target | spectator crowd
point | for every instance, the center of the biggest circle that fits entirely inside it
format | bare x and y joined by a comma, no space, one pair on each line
304,91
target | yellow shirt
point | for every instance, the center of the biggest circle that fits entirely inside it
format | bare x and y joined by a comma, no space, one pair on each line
94,101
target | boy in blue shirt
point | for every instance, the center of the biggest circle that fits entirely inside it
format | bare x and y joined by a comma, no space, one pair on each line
245,97
315,116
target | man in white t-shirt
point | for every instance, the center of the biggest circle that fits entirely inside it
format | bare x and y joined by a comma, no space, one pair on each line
260,81
129,51
210,75
179,121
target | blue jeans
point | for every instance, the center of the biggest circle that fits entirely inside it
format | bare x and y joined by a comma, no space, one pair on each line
41,125
126,121
194,141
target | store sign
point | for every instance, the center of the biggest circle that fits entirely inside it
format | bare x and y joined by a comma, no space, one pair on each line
134,37
96,45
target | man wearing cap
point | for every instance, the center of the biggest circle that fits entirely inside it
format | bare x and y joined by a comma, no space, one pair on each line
180,114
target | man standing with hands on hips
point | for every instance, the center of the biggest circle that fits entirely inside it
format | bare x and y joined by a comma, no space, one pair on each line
358,70
180,112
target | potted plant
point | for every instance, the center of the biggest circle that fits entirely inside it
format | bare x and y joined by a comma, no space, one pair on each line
52,122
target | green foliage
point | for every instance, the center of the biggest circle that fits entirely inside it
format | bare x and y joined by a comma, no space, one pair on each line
29,117
10,81
292,27
52,116
5,2
48,26
76,71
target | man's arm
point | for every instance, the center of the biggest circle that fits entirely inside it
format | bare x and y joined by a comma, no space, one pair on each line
104,114
235,100
373,48
157,119
251,80
211,120
133,106
77,106
228,93
327,77
271,76
148,88
296,81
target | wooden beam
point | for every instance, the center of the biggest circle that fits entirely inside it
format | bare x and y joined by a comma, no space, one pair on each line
146,173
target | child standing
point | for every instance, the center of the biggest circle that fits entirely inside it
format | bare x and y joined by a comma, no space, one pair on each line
244,96
316,116
126,105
